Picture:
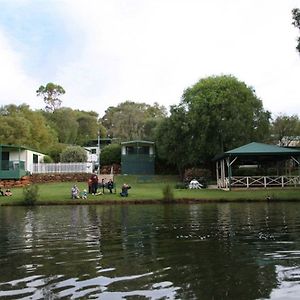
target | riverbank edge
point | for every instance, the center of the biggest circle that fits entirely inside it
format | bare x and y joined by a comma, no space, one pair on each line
149,202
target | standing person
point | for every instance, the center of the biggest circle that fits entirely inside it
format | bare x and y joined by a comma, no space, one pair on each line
90,185
110,185
94,180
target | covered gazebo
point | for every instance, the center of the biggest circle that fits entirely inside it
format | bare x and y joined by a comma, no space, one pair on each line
273,165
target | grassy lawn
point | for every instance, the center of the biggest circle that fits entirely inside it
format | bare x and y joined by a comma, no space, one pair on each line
59,193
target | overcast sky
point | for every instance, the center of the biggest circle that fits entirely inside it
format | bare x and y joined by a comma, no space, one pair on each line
104,52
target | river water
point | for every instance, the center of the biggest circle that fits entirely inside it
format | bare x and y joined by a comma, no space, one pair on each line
200,251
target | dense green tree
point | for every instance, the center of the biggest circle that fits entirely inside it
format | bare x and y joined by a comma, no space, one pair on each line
64,122
286,129
56,150
173,139
127,120
296,23
111,154
15,130
88,127
223,113
74,154
20,125
51,93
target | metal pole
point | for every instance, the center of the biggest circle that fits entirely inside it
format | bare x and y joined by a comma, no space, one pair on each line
99,150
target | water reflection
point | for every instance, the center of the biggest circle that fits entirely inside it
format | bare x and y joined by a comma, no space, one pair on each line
210,251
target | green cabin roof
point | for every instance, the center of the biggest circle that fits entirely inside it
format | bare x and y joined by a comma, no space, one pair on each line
137,142
17,147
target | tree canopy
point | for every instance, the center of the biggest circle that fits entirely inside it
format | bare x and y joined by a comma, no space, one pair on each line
216,114
128,120
22,126
51,93
296,23
286,129
224,113
173,139
73,154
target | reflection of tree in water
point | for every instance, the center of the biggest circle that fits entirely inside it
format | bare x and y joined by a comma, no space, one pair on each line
210,251
219,253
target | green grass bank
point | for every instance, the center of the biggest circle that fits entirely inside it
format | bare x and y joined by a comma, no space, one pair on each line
148,192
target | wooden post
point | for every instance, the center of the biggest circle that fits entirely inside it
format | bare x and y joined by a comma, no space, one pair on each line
223,173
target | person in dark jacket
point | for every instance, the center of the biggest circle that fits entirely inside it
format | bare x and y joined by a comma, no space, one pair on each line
110,185
94,182
125,188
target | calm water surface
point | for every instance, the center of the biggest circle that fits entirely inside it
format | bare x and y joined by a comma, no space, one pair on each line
204,251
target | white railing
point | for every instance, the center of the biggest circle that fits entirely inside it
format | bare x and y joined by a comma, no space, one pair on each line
62,168
265,181
259,181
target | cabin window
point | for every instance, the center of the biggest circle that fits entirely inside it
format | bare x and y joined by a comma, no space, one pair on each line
5,160
143,150
35,158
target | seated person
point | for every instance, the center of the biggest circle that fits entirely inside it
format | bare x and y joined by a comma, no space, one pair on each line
110,185
74,192
8,193
84,194
125,188
1,192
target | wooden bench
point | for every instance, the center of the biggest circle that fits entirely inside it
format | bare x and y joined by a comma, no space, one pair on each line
106,178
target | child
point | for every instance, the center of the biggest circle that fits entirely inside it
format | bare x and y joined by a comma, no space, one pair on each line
74,192
84,194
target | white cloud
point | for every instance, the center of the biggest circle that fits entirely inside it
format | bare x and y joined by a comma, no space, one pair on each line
152,50
16,86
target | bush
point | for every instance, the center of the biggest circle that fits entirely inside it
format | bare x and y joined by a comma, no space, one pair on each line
30,194
48,159
111,154
55,152
168,194
74,154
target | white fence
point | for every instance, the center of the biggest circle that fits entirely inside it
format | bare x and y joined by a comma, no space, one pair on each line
259,181
62,168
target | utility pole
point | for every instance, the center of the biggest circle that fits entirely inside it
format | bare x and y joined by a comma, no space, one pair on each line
99,151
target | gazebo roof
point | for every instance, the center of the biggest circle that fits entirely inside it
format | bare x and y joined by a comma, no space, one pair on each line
258,149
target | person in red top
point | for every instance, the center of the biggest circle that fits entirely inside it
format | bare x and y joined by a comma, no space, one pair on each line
94,181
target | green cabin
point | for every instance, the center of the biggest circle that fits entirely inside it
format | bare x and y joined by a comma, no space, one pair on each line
17,161
138,158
